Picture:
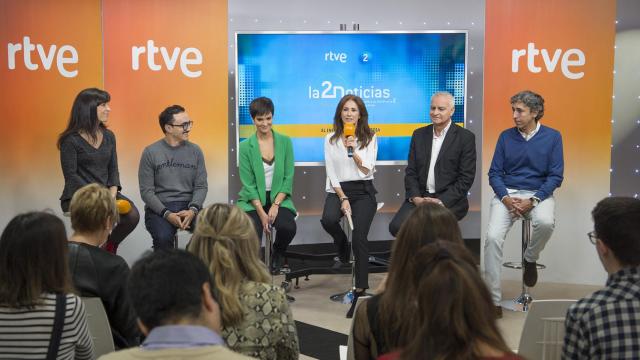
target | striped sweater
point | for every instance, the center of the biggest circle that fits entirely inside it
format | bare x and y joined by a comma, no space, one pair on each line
25,333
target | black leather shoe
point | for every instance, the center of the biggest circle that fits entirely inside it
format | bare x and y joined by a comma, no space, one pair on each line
276,262
337,264
530,276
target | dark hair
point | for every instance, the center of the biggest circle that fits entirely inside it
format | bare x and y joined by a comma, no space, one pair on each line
84,116
33,259
455,312
533,101
427,223
364,134
261,106
166,116
616,222
165,286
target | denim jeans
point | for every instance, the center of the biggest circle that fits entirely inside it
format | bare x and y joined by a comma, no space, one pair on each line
163,232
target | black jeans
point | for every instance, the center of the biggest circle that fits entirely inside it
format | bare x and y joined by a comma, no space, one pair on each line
363,203
285,225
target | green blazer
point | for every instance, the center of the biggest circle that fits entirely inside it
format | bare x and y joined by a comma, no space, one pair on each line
252,172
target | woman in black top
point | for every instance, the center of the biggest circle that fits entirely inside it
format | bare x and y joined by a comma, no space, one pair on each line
88,155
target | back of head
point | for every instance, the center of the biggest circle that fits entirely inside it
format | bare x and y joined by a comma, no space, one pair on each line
455,311
91,208
165,287
426,224
33,259
616,222
226,241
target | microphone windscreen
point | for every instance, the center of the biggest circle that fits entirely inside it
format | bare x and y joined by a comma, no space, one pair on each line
349,129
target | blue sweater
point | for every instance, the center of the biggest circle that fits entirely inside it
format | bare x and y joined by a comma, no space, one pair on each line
535,165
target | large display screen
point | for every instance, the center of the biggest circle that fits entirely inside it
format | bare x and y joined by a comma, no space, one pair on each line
306,74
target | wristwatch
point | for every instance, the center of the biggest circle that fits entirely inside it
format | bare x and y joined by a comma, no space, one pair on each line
344,198
534,201
276,204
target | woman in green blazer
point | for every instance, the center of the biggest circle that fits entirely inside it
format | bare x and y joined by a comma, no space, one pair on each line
266,173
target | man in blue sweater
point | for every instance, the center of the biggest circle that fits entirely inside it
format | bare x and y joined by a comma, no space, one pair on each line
527,167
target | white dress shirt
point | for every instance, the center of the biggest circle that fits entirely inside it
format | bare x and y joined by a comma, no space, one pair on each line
436,145
528,136
340,167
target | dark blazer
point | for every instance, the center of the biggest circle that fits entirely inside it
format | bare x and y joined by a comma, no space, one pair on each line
98,273
455,167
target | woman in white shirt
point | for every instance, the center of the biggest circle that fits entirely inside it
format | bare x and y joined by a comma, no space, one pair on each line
350,164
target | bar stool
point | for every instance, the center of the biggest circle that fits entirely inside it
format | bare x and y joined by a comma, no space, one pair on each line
521,302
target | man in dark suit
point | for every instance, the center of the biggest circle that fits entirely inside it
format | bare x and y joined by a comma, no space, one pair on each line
441,165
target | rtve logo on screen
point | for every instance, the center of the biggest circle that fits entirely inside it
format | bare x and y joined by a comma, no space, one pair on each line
570,61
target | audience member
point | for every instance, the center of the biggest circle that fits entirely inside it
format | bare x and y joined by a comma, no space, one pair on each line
380,321
39,316
255,315
454,317
606,324
96,272
178,311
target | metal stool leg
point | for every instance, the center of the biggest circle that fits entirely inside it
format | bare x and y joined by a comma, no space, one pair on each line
521,302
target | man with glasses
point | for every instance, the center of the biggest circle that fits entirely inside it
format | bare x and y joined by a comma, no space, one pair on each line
173,179
606,324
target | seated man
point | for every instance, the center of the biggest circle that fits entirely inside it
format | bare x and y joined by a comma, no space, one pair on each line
173,295
606,324
173,179
527,167
441,164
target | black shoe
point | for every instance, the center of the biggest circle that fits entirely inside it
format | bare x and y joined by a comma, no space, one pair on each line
356,295
498,312
276,263
337,263
530,276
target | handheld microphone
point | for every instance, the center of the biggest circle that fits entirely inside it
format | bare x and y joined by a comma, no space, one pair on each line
349,131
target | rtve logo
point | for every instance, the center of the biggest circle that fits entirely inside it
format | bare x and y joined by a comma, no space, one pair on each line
337,56
64,55
571,58
188,56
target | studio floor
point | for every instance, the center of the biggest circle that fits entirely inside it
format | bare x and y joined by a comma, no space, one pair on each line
324,325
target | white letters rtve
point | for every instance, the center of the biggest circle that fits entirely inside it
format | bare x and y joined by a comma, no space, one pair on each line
46,56
570,58
169,59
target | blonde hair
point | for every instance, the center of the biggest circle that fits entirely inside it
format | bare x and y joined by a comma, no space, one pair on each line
226,241
91,206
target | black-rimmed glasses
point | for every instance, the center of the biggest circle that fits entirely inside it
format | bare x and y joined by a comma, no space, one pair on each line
185,126
592,237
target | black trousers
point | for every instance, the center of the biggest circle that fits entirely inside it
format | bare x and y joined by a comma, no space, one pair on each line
363,208
285,225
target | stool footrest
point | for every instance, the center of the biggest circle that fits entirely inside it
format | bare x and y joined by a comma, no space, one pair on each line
518,265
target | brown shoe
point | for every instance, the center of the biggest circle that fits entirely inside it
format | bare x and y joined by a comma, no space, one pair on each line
498,312
530,276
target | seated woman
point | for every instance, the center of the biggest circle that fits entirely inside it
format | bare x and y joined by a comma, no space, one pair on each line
88,155
266,173
350,153
379,322
454,317
96,272
40,317
256,318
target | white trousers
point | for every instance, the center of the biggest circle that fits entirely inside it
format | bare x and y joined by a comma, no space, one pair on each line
500,222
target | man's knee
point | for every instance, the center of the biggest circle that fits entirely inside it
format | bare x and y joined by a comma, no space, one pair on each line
394,227
547,223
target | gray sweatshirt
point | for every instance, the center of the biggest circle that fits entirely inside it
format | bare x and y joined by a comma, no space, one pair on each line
168,174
